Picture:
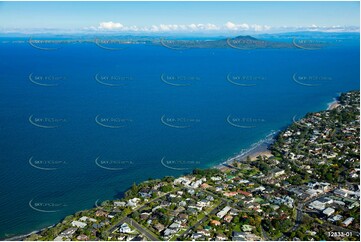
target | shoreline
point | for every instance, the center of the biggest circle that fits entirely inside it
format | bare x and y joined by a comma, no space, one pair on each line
24,236
334,104
260,148
255,150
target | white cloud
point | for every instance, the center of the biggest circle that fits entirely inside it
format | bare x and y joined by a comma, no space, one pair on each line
110,25
209,27
243,27
182,27
212,27
232,26
257,27
334,28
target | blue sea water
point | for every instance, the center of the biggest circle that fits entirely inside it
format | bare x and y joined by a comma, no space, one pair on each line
65,146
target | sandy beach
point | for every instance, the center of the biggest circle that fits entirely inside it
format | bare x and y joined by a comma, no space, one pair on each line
333,105
267,153
258,149
252,155
261,148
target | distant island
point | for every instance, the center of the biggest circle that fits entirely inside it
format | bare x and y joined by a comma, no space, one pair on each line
306,187
113,42
295,40
239,42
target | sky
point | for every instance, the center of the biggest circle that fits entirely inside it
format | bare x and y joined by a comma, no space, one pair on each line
197,17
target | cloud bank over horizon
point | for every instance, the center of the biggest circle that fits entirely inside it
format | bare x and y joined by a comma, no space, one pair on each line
110,27
179,18
209,27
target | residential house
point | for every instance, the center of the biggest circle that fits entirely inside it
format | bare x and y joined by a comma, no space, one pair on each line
125,229
347,221
244,193
223,212
159,227
78,224
215,223
328,211
221,237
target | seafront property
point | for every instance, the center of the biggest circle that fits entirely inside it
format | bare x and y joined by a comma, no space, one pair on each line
305,188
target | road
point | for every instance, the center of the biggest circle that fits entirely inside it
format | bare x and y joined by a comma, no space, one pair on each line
114,227
156,199
325,223
228,202
185,233
122,221
336,228
141,229
264,234
299,215
222,204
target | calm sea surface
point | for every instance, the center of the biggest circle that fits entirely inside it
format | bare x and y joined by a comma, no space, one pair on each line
83,123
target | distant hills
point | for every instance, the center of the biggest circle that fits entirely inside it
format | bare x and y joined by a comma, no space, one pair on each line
309,40
239,42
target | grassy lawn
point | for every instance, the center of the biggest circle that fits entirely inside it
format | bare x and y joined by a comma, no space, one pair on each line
175,236
237,228
258,200
200,216
294,213
209,209
149,230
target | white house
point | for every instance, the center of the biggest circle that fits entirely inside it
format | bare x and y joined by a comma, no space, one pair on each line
317,205
119,204
348,221
203,203
335,218
328,211
125,229
133,202
223,212
78,224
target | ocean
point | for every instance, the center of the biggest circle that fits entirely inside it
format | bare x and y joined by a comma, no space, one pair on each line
81,124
